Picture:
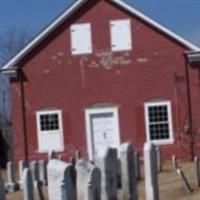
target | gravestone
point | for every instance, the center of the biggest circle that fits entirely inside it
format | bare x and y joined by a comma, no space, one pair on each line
174,163
128,177
22,165
184,181
43,172
197,170
38,193
52,155
2,189
77,155
27,185
88,181
150,172
108,164
59,174
159,159
137,166
11,185
34,166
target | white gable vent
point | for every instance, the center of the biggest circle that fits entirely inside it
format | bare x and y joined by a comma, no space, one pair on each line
120,31
81,40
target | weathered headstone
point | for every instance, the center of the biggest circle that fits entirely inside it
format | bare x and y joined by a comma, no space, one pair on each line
184,181
137,166
150,171
34,166
88,181
197,170
72,160
52,155
59,174
128,178
43,172
22,165
27,185
12,184
174,163
108,164
2,189
61,157
38,193
159,159
77,155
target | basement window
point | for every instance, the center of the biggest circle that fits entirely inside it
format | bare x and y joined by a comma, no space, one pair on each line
159,122
120,31
81,39
50,130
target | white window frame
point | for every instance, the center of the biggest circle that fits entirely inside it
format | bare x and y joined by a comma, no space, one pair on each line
160,141
39,131
118,42
81,42
88,113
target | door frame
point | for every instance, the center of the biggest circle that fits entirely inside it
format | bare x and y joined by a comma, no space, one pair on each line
100,110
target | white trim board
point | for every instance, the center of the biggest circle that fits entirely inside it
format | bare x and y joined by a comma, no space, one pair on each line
72,9
91,111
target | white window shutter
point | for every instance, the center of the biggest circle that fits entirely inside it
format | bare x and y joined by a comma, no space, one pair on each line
81,40
120,31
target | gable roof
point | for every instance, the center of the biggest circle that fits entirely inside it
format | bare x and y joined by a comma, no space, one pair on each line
73,8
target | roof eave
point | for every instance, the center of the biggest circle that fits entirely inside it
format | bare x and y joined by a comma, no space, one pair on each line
193,56
157,25
43,34
73,9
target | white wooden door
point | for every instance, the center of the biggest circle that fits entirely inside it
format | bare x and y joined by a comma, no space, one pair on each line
102,130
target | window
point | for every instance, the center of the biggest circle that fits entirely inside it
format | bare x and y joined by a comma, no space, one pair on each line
81,39
159,122
120,35
50,130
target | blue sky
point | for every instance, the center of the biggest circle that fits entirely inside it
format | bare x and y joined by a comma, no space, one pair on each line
182,16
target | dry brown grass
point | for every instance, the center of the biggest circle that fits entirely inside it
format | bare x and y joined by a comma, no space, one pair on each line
170,185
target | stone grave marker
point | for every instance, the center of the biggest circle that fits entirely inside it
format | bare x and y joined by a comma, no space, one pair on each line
77,155
197,170
22,165
2,189
43,172
27,185
52,155
34,166
137,166
150,172
108,164
174,162
128,177
88,181
38,193
12,185
184,181
159,159
59,174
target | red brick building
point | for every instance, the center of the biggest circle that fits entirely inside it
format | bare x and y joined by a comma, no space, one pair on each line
101,74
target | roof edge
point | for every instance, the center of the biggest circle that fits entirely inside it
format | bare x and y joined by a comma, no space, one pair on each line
157,25
76,6
43,34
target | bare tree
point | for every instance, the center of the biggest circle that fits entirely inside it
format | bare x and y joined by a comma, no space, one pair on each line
11,43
